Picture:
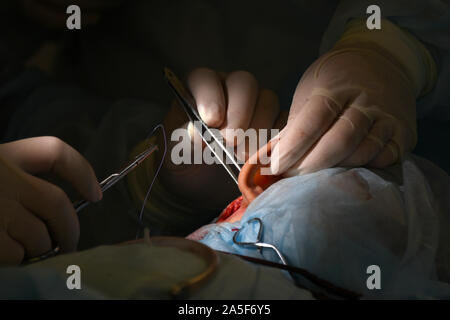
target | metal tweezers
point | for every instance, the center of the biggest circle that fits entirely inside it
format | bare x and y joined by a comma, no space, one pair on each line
115,177
188,103
104,185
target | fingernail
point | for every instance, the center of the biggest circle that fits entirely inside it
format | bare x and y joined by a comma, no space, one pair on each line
211,114
193,133
190,129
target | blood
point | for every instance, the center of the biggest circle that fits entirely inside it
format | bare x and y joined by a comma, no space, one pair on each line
236,209
234,206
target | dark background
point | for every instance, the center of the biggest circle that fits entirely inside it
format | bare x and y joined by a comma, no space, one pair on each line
21,37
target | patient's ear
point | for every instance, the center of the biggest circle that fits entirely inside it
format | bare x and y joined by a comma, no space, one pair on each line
251,182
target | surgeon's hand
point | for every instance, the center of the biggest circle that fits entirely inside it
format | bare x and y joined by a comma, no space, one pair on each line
35,215
224,101
350,108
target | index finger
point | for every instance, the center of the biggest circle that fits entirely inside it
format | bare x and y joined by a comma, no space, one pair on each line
207,90
304,129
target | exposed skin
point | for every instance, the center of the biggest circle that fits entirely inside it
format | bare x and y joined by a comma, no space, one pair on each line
364,115
35,213
351,108
252,182
318,135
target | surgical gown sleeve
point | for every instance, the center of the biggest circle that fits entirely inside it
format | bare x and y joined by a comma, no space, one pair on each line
428,20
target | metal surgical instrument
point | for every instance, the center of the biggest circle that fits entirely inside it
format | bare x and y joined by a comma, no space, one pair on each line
257,243
185,99
104,185
116,177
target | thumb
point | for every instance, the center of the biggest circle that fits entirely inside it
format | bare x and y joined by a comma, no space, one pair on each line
50,154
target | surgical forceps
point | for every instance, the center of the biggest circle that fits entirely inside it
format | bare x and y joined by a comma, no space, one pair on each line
115,177
257,243
104,185
188,103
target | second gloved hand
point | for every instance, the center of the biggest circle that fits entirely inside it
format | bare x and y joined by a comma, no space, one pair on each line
355,105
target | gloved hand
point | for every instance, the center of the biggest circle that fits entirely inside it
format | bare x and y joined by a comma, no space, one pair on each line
35,213
224,101
354,106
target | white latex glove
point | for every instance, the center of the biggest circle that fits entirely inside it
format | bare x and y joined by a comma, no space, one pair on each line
354,106
34,213
224,101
